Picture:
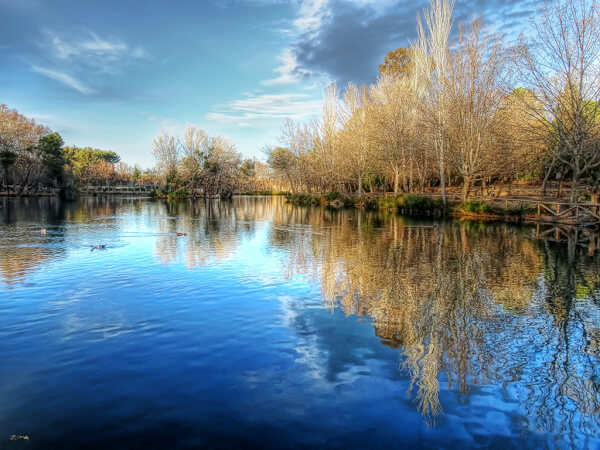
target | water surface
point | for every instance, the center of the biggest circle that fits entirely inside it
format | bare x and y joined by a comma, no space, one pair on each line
274,325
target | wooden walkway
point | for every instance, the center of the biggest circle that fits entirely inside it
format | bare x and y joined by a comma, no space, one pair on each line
553,211
117,190
541,210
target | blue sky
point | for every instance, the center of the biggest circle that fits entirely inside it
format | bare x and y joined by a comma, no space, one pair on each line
111,74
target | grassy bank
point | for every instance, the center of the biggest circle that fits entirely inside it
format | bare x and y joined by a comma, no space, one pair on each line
414,205
480,210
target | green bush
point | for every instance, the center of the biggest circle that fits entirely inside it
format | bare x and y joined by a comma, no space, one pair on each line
181,193
69,193
387,203
299,199
334,196
482,208
226,195
478,207
419,204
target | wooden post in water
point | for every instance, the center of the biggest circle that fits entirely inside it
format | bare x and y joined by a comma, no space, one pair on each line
539,211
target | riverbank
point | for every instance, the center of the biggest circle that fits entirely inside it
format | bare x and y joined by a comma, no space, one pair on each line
514,210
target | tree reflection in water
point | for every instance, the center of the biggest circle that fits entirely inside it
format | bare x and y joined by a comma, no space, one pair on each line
466,304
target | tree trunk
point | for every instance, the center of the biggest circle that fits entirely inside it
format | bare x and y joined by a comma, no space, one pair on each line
545,182
291,182
594,199
443,179
574,186
396,180
360,190
559,189
26,180
466,188
410,176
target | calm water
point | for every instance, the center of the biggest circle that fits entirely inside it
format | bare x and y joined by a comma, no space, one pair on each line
275,326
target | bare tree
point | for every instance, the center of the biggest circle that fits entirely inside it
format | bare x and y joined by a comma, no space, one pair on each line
475,95
394,116
357,142
165,150
560,64
438,19
194,145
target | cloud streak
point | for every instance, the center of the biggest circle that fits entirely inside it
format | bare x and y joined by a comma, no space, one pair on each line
64,79
266,107
91,50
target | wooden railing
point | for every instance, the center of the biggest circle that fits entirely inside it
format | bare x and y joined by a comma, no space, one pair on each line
556,211
542,210
117,190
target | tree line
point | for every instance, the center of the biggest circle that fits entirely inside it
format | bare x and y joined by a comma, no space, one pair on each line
463,110
198,164
33,159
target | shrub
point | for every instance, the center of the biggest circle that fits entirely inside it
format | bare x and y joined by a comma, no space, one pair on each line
419,204
299,199
478,207
181,193
226,195
333,196
69,193
366,202
387,203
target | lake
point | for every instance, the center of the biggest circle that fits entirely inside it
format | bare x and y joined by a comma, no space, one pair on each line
271,325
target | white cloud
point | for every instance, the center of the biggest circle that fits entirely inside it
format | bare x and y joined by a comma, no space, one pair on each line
311,15
63,78
89,50
266,107
87,55
289,72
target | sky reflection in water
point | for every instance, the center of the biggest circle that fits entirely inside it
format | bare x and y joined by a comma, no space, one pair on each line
270,324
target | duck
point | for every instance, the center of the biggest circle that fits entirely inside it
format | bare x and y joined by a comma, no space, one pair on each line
181,234
43,231
98,247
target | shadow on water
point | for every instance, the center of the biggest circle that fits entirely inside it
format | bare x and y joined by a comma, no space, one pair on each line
467,306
